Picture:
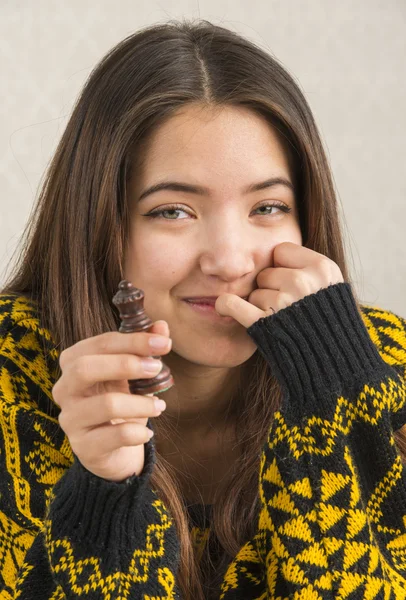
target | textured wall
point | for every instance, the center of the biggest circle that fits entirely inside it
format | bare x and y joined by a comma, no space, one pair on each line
349,58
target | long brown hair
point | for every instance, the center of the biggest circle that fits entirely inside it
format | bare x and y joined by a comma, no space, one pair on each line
75,239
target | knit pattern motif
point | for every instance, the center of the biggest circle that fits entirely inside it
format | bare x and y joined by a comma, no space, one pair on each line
332,519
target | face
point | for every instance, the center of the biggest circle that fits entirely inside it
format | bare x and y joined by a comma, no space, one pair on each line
213,242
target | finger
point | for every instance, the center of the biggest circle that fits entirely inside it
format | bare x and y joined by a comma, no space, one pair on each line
294,256
230,305
269,301
100,410
113,342
269,278
289,280
107,438
160,327
84,372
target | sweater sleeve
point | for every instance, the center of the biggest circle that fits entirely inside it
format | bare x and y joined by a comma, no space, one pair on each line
388,332
65,533
332,487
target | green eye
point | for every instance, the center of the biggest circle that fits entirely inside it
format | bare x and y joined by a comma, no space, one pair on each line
176,208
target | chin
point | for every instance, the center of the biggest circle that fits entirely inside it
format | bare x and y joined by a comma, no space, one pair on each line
215,354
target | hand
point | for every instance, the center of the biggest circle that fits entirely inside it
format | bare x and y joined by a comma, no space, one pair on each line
297,272
105,424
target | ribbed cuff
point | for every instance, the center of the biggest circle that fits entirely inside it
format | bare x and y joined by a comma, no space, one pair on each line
318,347
96,511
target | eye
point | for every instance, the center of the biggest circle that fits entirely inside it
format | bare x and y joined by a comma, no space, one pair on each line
176,208
283,207
169,209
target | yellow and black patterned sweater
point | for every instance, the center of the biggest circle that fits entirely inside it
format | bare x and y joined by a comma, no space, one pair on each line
332,487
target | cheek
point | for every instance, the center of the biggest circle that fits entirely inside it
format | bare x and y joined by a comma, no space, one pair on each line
156,263
297,238
289,233
293,234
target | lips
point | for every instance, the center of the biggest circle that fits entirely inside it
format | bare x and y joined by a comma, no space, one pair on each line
205,300
201,301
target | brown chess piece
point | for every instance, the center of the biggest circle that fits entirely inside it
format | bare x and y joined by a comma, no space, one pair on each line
130,303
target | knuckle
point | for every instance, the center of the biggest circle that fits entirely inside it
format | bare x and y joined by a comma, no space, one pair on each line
298,277
55,390
110,402
106,341
63,358
58,394
325,264
130,364
143,346
337,274
62,420
126,434
81,368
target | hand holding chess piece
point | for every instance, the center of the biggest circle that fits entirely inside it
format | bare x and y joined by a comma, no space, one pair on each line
130,302
106,393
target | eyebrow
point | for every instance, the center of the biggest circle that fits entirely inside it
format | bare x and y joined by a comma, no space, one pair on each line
176,186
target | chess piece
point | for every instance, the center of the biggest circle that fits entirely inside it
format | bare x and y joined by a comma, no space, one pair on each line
130,303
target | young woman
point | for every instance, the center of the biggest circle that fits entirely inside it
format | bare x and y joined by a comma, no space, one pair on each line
192,167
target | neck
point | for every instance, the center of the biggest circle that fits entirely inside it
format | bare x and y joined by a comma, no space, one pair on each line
201,398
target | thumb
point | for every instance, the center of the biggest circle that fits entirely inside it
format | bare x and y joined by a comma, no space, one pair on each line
160,327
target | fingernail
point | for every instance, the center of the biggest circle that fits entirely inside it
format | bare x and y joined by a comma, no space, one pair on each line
151,365
158,342
160,404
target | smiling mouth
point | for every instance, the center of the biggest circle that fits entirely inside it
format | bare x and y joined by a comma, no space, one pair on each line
206,301
207,310
203,302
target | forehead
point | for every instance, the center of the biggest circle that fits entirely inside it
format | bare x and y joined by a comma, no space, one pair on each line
223,140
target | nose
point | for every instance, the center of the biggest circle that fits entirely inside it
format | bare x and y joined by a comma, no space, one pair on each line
228,250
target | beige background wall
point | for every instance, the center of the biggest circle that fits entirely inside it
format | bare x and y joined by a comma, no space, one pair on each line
349,58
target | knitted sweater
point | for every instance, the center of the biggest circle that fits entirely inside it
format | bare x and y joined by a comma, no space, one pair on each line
332,487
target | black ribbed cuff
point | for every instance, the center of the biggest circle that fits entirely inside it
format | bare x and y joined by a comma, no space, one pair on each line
318,347
99,513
